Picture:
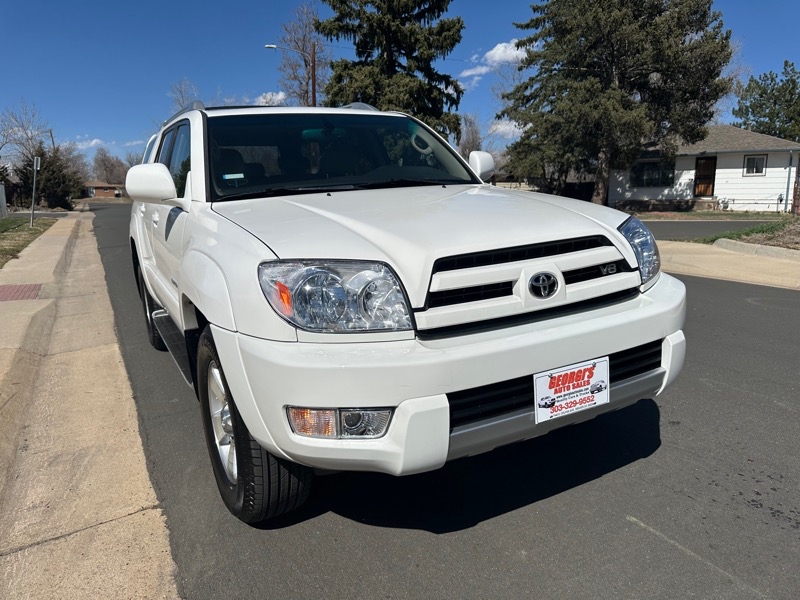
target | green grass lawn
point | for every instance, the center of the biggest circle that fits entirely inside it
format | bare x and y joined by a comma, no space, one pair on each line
713,215
16,233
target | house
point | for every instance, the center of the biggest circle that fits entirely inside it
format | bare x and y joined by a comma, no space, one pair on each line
732,169
101,189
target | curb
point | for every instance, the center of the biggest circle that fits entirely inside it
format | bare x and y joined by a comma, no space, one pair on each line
758,249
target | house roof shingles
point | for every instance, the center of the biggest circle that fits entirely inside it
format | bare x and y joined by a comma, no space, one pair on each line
97,183
728,138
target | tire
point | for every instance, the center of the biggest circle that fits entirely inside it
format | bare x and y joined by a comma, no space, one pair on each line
149,306
254,484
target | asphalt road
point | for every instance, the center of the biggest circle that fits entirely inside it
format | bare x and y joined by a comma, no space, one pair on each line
692,495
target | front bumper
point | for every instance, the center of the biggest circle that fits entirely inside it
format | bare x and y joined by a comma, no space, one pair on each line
414,377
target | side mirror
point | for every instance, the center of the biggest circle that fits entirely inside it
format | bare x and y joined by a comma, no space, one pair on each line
482,163
151,183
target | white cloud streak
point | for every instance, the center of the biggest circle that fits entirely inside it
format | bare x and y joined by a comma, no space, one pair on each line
87,143
476,71
504,53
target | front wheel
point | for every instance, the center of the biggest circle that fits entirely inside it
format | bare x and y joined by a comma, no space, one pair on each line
254,484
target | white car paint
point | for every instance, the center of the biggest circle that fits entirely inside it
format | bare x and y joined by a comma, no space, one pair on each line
208,260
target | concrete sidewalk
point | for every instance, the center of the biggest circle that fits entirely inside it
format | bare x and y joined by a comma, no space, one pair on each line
733,261
78,514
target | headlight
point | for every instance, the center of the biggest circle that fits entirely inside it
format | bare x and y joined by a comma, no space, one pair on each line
644,246
335,296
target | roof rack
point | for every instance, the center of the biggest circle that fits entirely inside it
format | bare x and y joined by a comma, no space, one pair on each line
360,106
193,105
198,105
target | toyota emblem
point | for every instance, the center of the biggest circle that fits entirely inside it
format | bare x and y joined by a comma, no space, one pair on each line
543,285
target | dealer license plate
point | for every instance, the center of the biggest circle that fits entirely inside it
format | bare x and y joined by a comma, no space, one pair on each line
571,389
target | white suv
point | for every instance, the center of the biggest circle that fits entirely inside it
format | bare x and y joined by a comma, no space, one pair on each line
345,293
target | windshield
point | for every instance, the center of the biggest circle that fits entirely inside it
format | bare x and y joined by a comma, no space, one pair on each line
260,154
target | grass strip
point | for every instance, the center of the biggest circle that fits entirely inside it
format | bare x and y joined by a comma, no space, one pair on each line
16,234
712,215
764,229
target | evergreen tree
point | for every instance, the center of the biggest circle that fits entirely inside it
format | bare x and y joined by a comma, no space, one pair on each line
609,76
61,177
771,104
396,43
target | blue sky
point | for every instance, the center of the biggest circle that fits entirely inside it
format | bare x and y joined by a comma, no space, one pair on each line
99,73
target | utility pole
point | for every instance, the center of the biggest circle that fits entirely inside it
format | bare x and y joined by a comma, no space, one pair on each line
312,64
313,73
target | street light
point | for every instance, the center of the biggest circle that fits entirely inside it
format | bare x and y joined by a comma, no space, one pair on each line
312,58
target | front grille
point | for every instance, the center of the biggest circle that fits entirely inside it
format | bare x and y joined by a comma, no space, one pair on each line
635,361
485,402
490,289
470,294
519,253
529,317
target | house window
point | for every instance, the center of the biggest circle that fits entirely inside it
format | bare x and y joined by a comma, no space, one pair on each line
652,174
755,165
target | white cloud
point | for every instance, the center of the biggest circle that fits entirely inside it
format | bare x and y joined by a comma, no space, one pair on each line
506,129
271,99
86,143
476,71
133,143
504,53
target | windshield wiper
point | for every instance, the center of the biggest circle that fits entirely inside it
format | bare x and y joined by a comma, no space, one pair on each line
406,182
286,191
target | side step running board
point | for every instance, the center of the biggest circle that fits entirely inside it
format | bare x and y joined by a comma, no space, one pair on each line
176,343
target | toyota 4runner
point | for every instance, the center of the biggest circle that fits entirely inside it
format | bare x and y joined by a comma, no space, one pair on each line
344,292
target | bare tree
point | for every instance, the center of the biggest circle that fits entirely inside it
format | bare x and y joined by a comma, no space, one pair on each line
21,130
132,159
74,162
470,135
108,168
183,94
738,73
306,56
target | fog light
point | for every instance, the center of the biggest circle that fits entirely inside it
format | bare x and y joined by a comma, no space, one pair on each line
364,423
343,423
313,422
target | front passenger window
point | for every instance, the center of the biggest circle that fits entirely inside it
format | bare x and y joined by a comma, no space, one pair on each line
180,159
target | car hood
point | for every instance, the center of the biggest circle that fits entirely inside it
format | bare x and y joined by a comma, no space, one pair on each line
410,228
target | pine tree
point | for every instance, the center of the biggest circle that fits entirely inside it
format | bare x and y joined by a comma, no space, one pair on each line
771,105
608,76
396,43
61,177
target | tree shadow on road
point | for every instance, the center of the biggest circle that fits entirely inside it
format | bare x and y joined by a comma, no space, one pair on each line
471,490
